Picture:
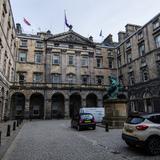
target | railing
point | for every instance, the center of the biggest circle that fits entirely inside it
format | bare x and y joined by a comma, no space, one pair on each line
57,85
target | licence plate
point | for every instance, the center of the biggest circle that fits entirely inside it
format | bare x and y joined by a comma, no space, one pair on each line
87,121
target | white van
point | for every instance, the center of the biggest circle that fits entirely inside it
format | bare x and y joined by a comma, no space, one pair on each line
98,113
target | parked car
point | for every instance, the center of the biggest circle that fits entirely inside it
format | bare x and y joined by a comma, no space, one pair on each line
83,120
143,130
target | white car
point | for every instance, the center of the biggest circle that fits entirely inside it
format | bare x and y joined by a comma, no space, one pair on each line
143,130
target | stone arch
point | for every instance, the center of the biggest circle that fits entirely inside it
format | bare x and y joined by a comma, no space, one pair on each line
58,105
17,106
91,100
36,108
75,103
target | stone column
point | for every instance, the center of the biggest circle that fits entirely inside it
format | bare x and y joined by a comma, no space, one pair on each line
66,108
48,109
100,103
83,102
26,110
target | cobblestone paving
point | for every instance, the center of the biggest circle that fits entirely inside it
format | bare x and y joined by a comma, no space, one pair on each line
55,140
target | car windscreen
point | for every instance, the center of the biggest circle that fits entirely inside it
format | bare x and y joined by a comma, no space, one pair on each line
135,120
86,116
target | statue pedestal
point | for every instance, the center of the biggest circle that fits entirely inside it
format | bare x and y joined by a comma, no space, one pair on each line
115,112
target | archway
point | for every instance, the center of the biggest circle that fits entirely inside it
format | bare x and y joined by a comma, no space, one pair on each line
17,105
75,104
147,102
58,107
91,100
36,106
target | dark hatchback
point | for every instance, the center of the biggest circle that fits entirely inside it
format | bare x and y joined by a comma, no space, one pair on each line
83,120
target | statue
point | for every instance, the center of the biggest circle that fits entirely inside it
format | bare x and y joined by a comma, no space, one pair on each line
115,87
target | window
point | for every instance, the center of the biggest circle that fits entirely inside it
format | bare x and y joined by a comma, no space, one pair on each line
3,18
84,61
119,61
71,46
157,41
145,75
39,44
84,47
22,57
110,62
37,77
71,60
38,57
156,24
84,79
129,57
100,80
23,43
128,44
56,78
99,62
5,7
141,49
155,119
131,78
56,59
71,78
140,35
22,77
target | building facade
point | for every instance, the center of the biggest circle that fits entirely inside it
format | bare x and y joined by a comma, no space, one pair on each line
138,58
7,56
58,74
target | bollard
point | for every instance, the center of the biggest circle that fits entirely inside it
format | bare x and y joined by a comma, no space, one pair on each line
14,126
106,127
8,130
0,137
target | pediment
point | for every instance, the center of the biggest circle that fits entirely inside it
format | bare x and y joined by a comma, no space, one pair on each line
71,37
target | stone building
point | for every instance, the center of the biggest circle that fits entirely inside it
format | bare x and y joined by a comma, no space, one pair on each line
56,74
7,54
138,58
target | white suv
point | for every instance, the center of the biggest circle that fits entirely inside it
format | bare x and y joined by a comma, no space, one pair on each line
143,130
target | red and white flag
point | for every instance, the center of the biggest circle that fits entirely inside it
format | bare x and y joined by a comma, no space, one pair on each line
26,22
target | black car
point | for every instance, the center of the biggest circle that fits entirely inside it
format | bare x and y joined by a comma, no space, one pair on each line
83,120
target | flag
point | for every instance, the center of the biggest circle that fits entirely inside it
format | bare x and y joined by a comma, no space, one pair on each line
26,22
65,19
100,34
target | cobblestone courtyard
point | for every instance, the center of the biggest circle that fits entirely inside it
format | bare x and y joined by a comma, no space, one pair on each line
55,140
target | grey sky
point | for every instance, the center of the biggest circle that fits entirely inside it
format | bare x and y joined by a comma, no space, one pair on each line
88,17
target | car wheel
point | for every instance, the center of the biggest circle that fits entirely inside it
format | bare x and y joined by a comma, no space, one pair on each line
78,128
153,145
94,127
130,144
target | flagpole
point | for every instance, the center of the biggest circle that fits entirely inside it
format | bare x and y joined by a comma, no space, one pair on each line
64,18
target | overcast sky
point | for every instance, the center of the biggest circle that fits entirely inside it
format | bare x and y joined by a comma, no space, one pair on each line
88,17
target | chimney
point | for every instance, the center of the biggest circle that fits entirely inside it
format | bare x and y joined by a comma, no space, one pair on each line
108,39
131,28
18,28
91,38
121,36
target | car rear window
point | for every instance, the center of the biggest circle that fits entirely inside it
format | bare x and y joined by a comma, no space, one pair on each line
86,116
134,120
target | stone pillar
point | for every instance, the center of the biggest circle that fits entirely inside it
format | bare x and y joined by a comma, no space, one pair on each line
66,111
83,102
48,109
26,110
100,103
